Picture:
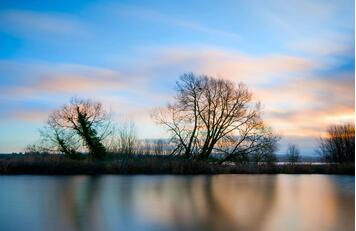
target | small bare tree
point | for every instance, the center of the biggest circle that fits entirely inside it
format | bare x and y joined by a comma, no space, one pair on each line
339,144
82,121
159,148
210,112
127,137
146,147
35,149
293,154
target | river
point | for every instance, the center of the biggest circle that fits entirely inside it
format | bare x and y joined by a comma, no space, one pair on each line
165,202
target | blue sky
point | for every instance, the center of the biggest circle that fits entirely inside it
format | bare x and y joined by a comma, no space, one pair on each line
296,56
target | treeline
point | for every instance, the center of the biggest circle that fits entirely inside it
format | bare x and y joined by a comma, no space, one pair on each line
336,146
339,144
209,118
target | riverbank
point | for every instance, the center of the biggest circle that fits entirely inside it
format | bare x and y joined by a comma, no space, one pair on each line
151,164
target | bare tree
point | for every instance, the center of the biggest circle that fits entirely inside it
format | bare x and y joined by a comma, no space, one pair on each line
80,120
152,146
144,147
293,154
210,112
181,118
339,144
159,147
127,138
35,149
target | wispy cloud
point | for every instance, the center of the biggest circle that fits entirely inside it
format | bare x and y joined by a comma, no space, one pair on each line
145,14
305,107
252,69
61,78
324,44
294,17
31,23
33,115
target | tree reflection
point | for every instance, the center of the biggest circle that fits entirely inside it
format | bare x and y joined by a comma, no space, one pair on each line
220,202
201,203
77,202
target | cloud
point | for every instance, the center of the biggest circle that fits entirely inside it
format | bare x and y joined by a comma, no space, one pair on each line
29,115
57,78
54,83
155,16
305,107
31,23
325,44
298,100
233,65
301,18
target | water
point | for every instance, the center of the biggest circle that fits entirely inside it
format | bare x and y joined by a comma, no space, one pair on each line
221,202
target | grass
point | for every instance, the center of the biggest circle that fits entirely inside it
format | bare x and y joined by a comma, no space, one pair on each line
151,164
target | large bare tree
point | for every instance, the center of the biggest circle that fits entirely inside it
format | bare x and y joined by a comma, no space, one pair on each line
210,112
81,120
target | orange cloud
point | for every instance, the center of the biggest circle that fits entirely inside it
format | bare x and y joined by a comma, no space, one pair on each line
237,66
73,79
75,83
30,115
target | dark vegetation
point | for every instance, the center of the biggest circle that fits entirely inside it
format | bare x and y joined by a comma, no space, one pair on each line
214,127
152,164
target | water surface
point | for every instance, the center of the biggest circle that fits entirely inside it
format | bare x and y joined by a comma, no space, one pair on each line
221,202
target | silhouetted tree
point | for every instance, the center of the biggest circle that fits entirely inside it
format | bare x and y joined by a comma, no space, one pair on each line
159,147
80,120
339,144
127,138
145,147
293,154
57,139
210,112
35,149
257,144
124,139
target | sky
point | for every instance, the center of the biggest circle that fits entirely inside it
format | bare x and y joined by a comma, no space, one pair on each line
297,57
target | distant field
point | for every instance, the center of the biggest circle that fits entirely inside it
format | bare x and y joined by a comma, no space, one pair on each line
154,164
